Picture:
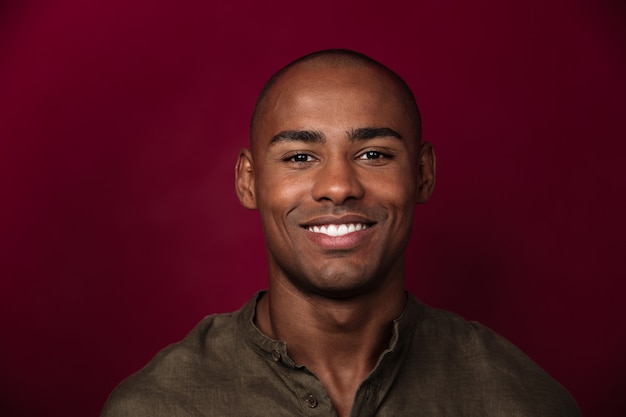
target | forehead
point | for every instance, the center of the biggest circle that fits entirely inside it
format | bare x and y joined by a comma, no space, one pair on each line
322,76
323,96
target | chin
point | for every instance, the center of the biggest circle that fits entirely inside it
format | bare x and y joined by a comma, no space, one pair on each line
340,286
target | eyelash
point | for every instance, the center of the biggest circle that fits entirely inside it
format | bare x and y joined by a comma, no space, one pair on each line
294,158
301,158
377,154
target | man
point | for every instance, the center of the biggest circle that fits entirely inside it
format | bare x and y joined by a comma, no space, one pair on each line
335,168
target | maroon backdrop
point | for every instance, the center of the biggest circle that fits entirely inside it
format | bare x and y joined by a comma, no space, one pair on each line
120,122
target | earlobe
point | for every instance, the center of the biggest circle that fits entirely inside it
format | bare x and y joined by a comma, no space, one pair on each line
244,180
426,173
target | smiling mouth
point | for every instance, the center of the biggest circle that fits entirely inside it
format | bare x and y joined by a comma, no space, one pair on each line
338,229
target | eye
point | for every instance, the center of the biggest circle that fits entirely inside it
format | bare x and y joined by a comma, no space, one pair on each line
369,155
299,158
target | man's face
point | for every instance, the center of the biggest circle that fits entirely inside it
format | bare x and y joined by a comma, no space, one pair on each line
335,165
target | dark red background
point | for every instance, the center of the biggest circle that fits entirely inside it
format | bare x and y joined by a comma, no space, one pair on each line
120,122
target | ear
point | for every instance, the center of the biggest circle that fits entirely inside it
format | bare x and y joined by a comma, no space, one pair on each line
425,173
244,180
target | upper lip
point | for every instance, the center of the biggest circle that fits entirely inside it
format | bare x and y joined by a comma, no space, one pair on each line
345,219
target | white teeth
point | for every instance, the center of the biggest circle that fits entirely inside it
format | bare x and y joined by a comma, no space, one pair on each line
337,230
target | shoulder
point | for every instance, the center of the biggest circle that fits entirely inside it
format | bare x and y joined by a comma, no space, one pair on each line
163,385
448,335
482,367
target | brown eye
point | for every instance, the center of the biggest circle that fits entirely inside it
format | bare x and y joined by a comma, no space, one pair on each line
299,158
372,155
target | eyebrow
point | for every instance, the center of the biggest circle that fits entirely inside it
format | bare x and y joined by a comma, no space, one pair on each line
365,133
313,136
309,136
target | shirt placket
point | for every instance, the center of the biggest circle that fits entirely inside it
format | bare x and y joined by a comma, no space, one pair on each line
309,391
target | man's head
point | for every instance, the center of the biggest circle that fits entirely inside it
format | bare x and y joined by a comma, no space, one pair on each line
335,169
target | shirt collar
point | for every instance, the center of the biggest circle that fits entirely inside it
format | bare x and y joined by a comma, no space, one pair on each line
403,328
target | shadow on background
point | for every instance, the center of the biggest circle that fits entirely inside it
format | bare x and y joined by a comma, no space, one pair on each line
120,123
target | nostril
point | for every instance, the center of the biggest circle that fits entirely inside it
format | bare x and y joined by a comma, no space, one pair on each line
337,184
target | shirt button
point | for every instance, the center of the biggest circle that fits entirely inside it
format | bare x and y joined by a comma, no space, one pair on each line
311,401
275,355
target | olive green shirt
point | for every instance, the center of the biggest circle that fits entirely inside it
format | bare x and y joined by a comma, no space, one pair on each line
437,364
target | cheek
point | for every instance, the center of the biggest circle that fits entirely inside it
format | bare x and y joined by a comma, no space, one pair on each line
395,188
277,195
398,198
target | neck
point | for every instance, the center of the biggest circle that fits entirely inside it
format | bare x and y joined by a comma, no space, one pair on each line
316,323
340,341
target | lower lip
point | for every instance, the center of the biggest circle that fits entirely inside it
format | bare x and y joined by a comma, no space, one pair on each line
345,242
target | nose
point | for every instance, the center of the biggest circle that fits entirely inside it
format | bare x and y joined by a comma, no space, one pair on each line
337,181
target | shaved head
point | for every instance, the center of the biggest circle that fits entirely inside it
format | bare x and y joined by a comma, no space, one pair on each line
335,143
336,58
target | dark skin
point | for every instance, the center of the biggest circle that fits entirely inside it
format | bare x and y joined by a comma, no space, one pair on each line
335,170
